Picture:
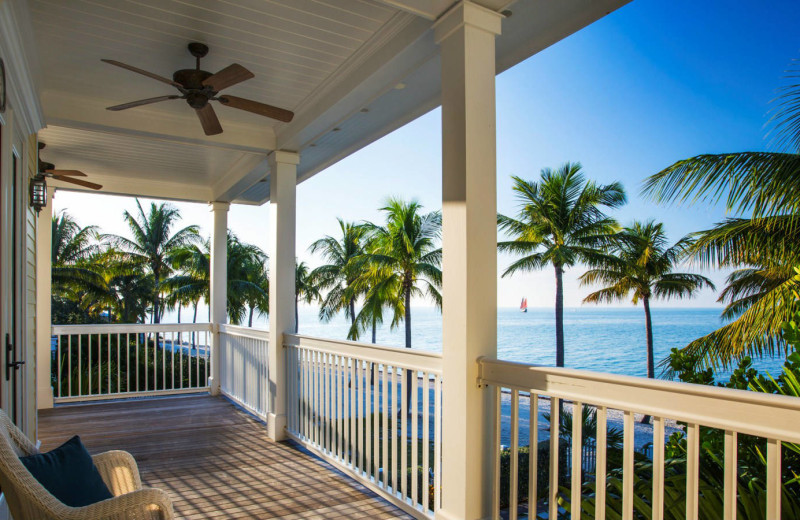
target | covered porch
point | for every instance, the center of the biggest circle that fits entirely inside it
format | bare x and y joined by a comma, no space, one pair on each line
214,460
393,432
351,72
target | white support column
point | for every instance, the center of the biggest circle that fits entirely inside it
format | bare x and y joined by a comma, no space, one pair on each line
282,218
466,34
44,356
219,286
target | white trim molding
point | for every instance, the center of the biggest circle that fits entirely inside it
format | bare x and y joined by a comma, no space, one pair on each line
19,55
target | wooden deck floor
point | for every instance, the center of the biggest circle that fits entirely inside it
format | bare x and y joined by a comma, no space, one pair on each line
214,460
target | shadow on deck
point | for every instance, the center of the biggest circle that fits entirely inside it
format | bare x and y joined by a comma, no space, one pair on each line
214,460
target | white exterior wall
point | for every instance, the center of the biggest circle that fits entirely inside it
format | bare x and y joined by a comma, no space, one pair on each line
20,122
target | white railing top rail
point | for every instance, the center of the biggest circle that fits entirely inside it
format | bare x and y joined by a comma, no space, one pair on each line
245,332
751,413
396,356
122,328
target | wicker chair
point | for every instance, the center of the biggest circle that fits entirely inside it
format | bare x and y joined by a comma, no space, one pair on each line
28,500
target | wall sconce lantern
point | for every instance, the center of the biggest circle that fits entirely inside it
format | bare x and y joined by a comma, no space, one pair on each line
38,193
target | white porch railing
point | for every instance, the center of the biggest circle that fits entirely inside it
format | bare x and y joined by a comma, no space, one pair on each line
373,412
93,362
520,388
244,375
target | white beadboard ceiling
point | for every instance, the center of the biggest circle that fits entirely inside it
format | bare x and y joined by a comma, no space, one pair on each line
326,60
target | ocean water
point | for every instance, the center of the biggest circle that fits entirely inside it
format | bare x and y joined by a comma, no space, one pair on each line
601,339
596,338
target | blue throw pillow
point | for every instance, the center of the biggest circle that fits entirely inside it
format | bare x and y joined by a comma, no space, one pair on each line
69,474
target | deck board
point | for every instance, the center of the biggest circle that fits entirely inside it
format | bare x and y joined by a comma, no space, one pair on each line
214,460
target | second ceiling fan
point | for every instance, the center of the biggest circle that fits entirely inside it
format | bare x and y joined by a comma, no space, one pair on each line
199,87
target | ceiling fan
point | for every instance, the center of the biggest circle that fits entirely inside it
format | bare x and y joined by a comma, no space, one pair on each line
47,169
198,87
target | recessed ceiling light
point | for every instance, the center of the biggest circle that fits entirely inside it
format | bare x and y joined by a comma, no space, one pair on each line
400,86
365,110
336,129
312,145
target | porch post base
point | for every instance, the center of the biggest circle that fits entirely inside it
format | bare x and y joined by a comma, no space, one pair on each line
44,397
444,515
213,386
276,427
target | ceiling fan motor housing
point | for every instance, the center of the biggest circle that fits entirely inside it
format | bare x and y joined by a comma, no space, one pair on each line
192,80
44,166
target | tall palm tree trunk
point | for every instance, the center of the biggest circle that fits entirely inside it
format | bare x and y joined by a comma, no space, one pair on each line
651,369
560,326
352,306
408,343
407,297
194,320
250,319
559,316
296,315
156,302
374,338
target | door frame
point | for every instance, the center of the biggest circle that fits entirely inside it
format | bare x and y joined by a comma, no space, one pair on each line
13,165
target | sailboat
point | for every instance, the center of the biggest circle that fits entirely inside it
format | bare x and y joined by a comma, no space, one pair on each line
523,307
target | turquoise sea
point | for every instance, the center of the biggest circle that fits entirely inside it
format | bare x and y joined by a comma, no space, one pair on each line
596,338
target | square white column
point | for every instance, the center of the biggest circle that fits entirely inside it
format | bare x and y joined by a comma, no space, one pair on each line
44,273
218,297
282,223
466,34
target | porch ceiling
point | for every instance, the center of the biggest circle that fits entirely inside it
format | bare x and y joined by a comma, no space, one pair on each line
335,63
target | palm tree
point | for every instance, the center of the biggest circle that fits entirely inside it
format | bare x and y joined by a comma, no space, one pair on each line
246,271
154,242
258,300
559,223
305,290
193,283
761,246
407,262
404,251
72,248
344,256
128,287
378,296
77,280
245,263
641,265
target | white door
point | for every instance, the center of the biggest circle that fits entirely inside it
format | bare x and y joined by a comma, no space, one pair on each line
12,389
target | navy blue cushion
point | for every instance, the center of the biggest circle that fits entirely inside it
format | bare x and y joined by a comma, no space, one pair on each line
69,474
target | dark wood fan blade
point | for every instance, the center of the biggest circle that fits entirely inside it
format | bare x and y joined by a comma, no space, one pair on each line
208,118
227,77
68,173
257,108
79,182
156,77
141,102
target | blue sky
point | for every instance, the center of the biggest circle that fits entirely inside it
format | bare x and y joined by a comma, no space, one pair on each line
652,83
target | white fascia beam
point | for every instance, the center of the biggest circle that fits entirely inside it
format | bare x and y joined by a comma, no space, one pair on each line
433,9
428,9
353,89
245,172
84,113
153,189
